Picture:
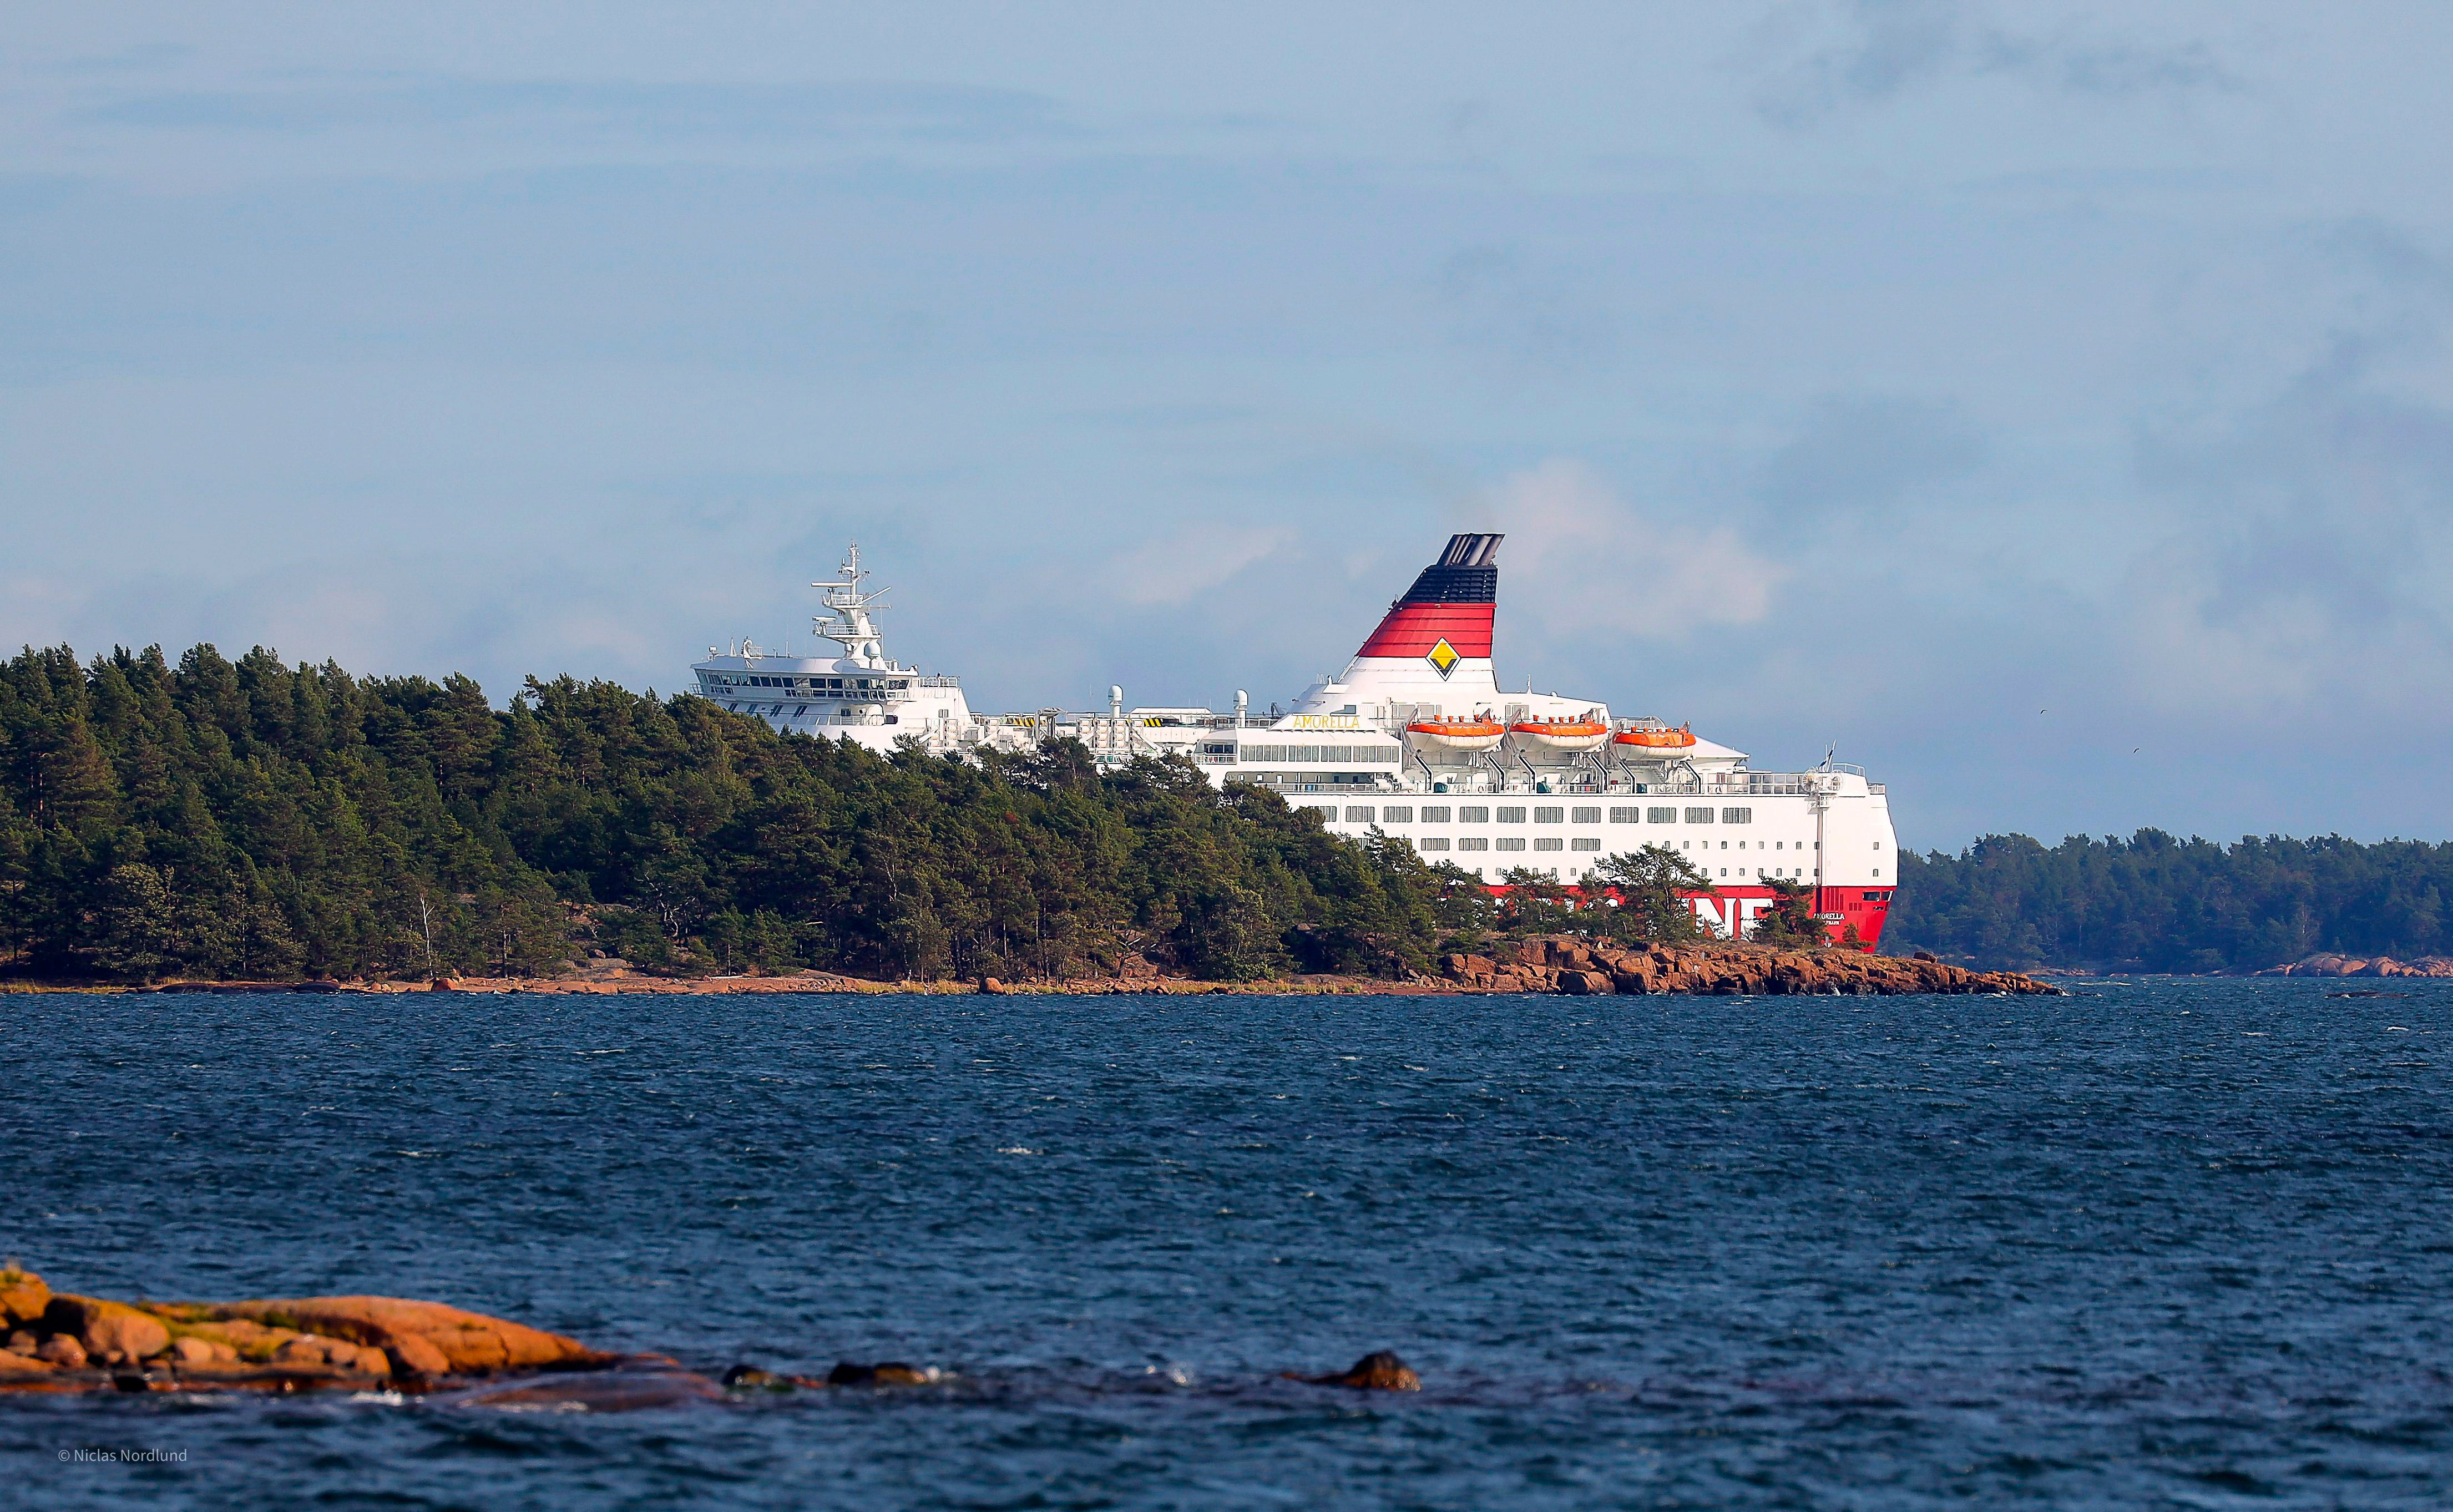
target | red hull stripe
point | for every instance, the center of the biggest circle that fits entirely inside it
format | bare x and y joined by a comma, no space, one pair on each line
1412,630
1725,907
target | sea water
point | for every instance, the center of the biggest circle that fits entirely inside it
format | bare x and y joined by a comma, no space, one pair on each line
2156,1243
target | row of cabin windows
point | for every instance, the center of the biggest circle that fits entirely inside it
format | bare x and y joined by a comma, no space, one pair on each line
1543,814
1437,843
783,711
814,684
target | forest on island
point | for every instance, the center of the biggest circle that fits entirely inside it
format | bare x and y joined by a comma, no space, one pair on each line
2155,903
250,820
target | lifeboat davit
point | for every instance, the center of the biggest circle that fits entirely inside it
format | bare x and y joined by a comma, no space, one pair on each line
1563,735
1651,738
1456,734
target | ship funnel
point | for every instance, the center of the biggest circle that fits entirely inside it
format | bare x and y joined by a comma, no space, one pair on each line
1446,615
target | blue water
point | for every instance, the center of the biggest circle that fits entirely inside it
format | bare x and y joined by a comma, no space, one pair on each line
2163,1243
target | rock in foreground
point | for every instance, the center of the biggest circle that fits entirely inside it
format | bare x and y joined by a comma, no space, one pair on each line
1381,1370
61,1342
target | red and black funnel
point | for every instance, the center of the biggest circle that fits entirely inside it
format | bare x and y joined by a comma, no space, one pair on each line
1453,601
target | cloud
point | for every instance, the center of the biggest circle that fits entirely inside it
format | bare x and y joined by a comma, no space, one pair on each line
2315,541
1530,319
1821,59
1861,452
1581,559
1193,560
911,114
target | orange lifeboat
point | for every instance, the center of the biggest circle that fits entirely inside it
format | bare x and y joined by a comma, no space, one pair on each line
1652,738
1457,734
1560,735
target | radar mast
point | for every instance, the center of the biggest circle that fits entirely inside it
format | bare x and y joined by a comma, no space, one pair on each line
849,624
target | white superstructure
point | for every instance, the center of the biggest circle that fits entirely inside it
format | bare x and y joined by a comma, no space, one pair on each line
861,695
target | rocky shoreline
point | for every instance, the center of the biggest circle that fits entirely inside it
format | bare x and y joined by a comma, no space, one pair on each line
2326,963
1573,967
58,1343
1562,964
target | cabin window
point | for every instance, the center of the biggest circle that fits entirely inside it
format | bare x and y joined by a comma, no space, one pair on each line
1509,814
1588,816
1737,816
1549,843
1433,843
1699,816
1550,816
1435,813
1397,814
1472,843
1587,843
1358,813
1472,814
1617,816
1661,816
1511,841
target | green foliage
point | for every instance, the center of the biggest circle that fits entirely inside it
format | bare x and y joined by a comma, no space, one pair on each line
2153,903
1536,904
1651,884
1790,919
250,818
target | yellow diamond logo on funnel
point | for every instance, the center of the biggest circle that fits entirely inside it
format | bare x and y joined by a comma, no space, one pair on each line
1443,657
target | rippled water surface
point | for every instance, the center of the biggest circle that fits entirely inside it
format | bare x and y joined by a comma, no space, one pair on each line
2158,1244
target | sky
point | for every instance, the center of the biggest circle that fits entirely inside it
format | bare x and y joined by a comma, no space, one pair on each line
2048,408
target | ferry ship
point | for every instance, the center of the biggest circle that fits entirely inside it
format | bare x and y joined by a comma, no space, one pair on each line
1417,739
861,695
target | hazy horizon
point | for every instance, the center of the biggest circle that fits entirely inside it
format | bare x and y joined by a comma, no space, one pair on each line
2047,407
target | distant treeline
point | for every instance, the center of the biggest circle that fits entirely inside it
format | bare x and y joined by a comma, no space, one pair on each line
250,820
2153,903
